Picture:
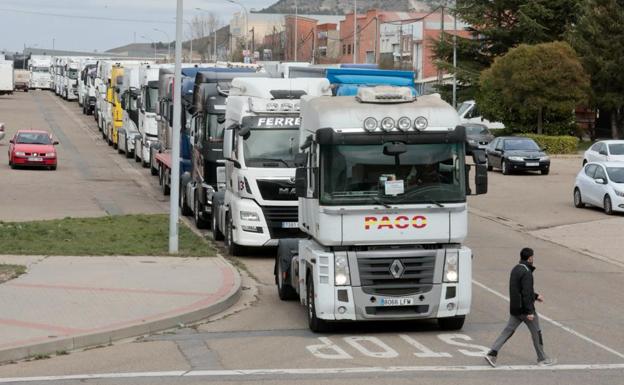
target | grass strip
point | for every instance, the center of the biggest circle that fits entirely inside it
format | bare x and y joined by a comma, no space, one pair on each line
9,272
128,235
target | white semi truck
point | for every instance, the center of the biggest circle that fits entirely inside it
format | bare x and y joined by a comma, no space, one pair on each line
129,93
148,126
382,184
260,142
7,84
70,79
40,72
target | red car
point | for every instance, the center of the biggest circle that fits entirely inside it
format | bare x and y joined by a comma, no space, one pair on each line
32,148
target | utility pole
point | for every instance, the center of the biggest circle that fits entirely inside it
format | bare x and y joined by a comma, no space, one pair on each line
253,41
175,145
355,23
455,60
296,28
440,75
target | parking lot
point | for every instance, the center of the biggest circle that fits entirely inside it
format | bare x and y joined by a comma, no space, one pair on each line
264,340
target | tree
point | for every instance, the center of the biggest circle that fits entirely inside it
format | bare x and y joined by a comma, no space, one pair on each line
496,27
534,85
201,27
599,40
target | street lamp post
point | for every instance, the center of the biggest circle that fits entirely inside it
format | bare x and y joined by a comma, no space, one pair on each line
175,145
168,42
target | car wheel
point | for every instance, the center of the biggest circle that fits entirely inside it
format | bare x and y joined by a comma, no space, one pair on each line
217,235
53,168
608,206
578,199
451,323
200,223
489,166
233,249
545,171
504,167
315,324
285,291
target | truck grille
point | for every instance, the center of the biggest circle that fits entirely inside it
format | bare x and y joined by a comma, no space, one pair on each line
277,190
376,276
276,216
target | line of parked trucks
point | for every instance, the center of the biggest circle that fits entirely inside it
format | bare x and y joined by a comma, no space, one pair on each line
359,182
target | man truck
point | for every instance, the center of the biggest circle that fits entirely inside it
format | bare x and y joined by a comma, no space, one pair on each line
40,72
382,182
261,140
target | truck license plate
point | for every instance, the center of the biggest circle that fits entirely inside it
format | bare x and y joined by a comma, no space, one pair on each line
290,225
397,301
35,159
532,164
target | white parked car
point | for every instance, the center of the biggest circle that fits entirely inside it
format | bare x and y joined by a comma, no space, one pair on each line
601,184
605,151
2,132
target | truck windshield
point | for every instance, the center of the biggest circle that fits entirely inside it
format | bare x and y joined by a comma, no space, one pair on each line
72,74
463,108
363,174
271,147
151,99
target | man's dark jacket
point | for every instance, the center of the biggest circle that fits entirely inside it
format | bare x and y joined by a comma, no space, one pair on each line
521,294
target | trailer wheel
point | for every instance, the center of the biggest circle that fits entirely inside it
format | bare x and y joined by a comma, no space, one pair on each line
452,323
164,187
153,170
315,324
285,291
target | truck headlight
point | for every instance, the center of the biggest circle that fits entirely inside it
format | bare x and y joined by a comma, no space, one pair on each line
450,268
249,216
516,159
341,271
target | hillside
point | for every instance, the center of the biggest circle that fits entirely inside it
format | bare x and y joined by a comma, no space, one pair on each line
341,7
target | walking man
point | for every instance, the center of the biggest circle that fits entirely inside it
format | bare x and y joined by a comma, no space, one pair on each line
522,299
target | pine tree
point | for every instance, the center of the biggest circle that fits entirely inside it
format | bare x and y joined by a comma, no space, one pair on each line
599,40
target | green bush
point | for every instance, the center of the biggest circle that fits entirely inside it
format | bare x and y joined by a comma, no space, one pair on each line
556,144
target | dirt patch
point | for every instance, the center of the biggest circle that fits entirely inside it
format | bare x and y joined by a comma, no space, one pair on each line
9,272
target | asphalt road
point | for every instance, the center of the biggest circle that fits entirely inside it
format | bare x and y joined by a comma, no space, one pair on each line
266,341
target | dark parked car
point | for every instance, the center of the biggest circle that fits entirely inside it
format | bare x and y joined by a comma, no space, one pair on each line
515,153
478,136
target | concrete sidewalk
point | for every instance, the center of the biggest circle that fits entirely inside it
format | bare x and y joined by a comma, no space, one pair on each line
67,303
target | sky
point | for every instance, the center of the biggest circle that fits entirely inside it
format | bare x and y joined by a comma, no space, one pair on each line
38,22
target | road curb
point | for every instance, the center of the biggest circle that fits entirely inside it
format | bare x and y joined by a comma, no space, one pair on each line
106,337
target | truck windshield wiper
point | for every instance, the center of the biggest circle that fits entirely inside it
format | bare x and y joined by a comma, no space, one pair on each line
416,192
378,200
272,160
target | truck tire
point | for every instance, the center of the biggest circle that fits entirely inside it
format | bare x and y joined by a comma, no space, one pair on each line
200,223
185,210
284,290
217,235
315,324
163,181
452,323
153,170
233,249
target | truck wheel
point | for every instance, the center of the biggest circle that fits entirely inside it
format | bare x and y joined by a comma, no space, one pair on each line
451,323
184,207
217,235
153,170
163,182
233,249
200,223
285,291
315,324
136,153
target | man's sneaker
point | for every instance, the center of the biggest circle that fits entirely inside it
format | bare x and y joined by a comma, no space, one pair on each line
491,360
547,362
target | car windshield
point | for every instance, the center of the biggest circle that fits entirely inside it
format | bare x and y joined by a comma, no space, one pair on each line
72,74
476,130
33,138
271,147
364,174
520,144
151,99
616,149
463,108
616,174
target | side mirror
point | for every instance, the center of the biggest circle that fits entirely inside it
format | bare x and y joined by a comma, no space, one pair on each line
301,179
600,181
301,159
478,156
221,119
602,152
12,141
244,132
481,179
228,139
55,143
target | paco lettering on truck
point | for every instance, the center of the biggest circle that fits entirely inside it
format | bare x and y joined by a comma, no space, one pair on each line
399,222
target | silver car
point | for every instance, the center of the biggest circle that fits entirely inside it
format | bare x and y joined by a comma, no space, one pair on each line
600,184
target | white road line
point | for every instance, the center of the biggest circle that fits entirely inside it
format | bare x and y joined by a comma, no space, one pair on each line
310,372
557,324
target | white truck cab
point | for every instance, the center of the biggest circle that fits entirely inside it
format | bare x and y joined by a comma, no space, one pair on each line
148,126
70,79
469,113
382,185
260,143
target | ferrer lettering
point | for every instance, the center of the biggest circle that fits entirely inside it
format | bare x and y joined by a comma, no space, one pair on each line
277,122
400,222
